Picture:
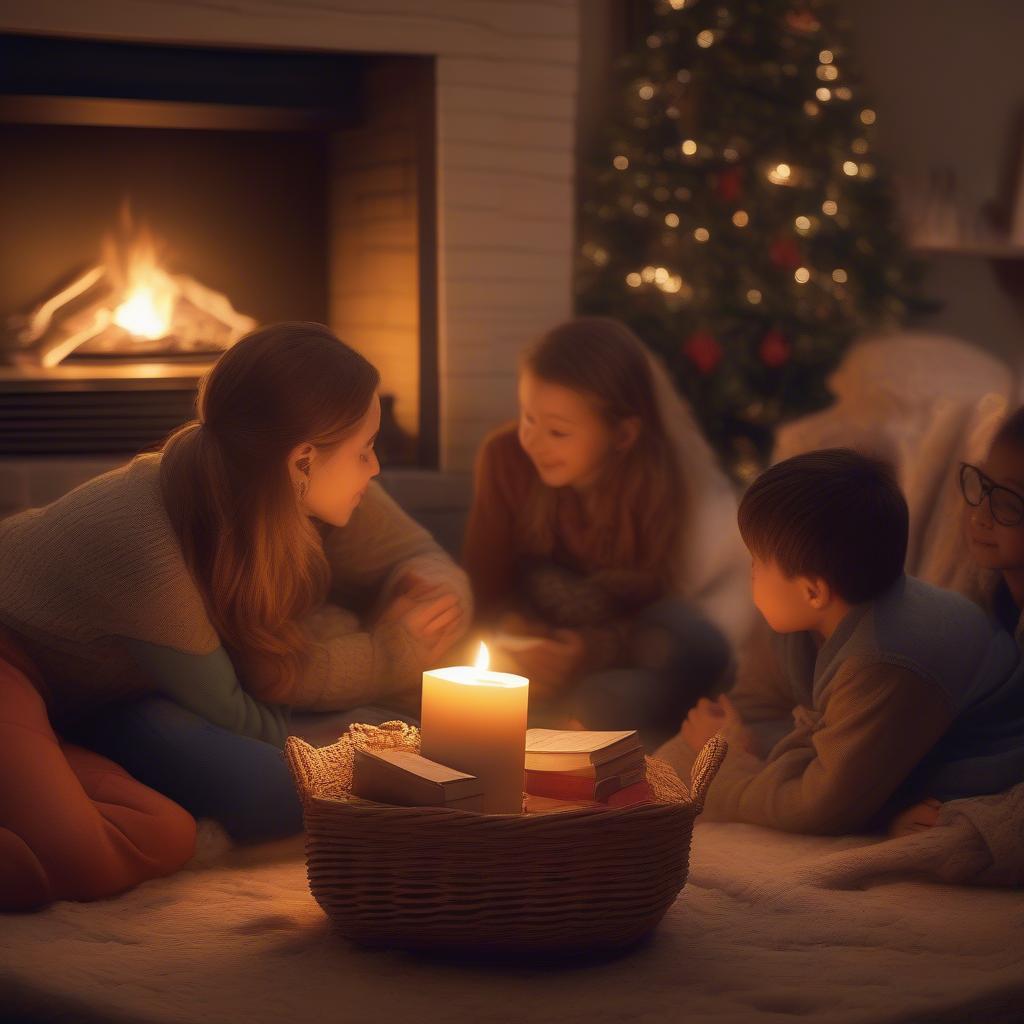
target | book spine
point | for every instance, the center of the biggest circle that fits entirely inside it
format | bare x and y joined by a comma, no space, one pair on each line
561,786
638,793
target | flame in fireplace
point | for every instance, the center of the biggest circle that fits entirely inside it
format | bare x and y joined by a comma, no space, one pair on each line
147,310
129,303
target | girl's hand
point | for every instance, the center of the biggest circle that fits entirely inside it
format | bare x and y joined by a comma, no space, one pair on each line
444,641
551,664
434,621
408,592
413,585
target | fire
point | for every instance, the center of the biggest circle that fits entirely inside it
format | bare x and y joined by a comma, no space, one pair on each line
146,312
129,303
483,658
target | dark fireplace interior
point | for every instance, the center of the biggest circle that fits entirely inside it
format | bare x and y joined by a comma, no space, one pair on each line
264,179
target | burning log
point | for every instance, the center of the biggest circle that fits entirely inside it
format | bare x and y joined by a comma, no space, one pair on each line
127,306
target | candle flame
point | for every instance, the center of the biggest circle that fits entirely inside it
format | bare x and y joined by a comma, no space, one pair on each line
483,658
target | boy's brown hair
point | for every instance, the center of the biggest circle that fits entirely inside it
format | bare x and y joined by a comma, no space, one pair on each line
833,514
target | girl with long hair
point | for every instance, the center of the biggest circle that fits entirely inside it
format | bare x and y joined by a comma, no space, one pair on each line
169,615
602,537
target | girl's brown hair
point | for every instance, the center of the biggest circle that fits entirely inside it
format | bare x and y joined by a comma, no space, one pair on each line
639,499
255,554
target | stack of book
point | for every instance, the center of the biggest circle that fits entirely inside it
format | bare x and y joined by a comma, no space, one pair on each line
410,780
605,768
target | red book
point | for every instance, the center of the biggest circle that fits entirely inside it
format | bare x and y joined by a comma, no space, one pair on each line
569,786
638,793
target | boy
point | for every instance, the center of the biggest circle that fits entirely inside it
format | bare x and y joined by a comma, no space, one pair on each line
898,690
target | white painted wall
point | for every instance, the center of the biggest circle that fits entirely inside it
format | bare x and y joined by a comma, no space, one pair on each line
947,81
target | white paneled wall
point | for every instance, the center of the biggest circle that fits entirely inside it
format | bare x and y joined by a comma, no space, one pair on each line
506,108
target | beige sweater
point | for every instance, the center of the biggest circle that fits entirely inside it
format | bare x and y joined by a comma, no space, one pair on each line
821,770
96,587
847,732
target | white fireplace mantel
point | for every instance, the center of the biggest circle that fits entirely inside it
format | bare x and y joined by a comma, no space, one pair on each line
506,75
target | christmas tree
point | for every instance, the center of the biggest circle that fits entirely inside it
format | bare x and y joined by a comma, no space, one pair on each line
735,215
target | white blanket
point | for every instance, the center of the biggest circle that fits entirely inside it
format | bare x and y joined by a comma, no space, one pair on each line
770,926
976,842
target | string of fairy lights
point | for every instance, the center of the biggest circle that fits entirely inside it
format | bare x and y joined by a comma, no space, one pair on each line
736,215
782,174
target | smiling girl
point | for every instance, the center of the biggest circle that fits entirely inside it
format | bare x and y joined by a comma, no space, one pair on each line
169,614
602,526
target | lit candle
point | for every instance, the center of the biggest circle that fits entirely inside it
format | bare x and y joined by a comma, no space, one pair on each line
475,720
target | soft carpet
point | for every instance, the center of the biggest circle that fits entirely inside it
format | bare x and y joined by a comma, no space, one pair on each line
757,935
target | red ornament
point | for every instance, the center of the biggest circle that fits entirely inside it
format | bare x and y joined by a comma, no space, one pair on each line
730,185
775,349
785,252
802,22
703,350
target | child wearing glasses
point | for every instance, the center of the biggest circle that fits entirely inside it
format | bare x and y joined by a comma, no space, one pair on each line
994,521
898,690
994,528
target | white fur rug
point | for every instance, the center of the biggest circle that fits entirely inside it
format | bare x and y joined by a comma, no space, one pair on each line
756,936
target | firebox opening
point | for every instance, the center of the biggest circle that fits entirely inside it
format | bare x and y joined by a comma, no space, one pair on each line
262,185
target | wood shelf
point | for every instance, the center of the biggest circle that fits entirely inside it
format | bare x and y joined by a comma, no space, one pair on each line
98,374
985,250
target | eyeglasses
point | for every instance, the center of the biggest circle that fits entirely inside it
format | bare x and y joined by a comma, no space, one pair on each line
1007,506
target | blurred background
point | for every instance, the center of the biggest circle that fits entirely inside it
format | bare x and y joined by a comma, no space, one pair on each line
754,185
897,130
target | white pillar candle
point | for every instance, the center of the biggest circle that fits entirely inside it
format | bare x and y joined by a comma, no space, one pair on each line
474,720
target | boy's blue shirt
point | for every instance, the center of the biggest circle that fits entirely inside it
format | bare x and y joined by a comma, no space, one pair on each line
949,642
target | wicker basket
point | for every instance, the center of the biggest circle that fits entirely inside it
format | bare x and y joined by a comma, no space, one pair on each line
576,881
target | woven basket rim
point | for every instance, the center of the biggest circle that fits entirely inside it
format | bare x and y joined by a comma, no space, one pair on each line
309,765
360,805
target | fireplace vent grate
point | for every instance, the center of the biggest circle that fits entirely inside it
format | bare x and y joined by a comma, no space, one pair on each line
100,421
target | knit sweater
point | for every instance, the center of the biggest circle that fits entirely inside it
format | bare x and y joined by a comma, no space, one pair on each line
915,694
575,588
96,588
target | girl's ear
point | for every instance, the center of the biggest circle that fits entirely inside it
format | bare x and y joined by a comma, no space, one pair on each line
300,461
627,433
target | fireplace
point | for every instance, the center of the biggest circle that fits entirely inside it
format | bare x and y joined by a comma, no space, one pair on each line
493,162
159,201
